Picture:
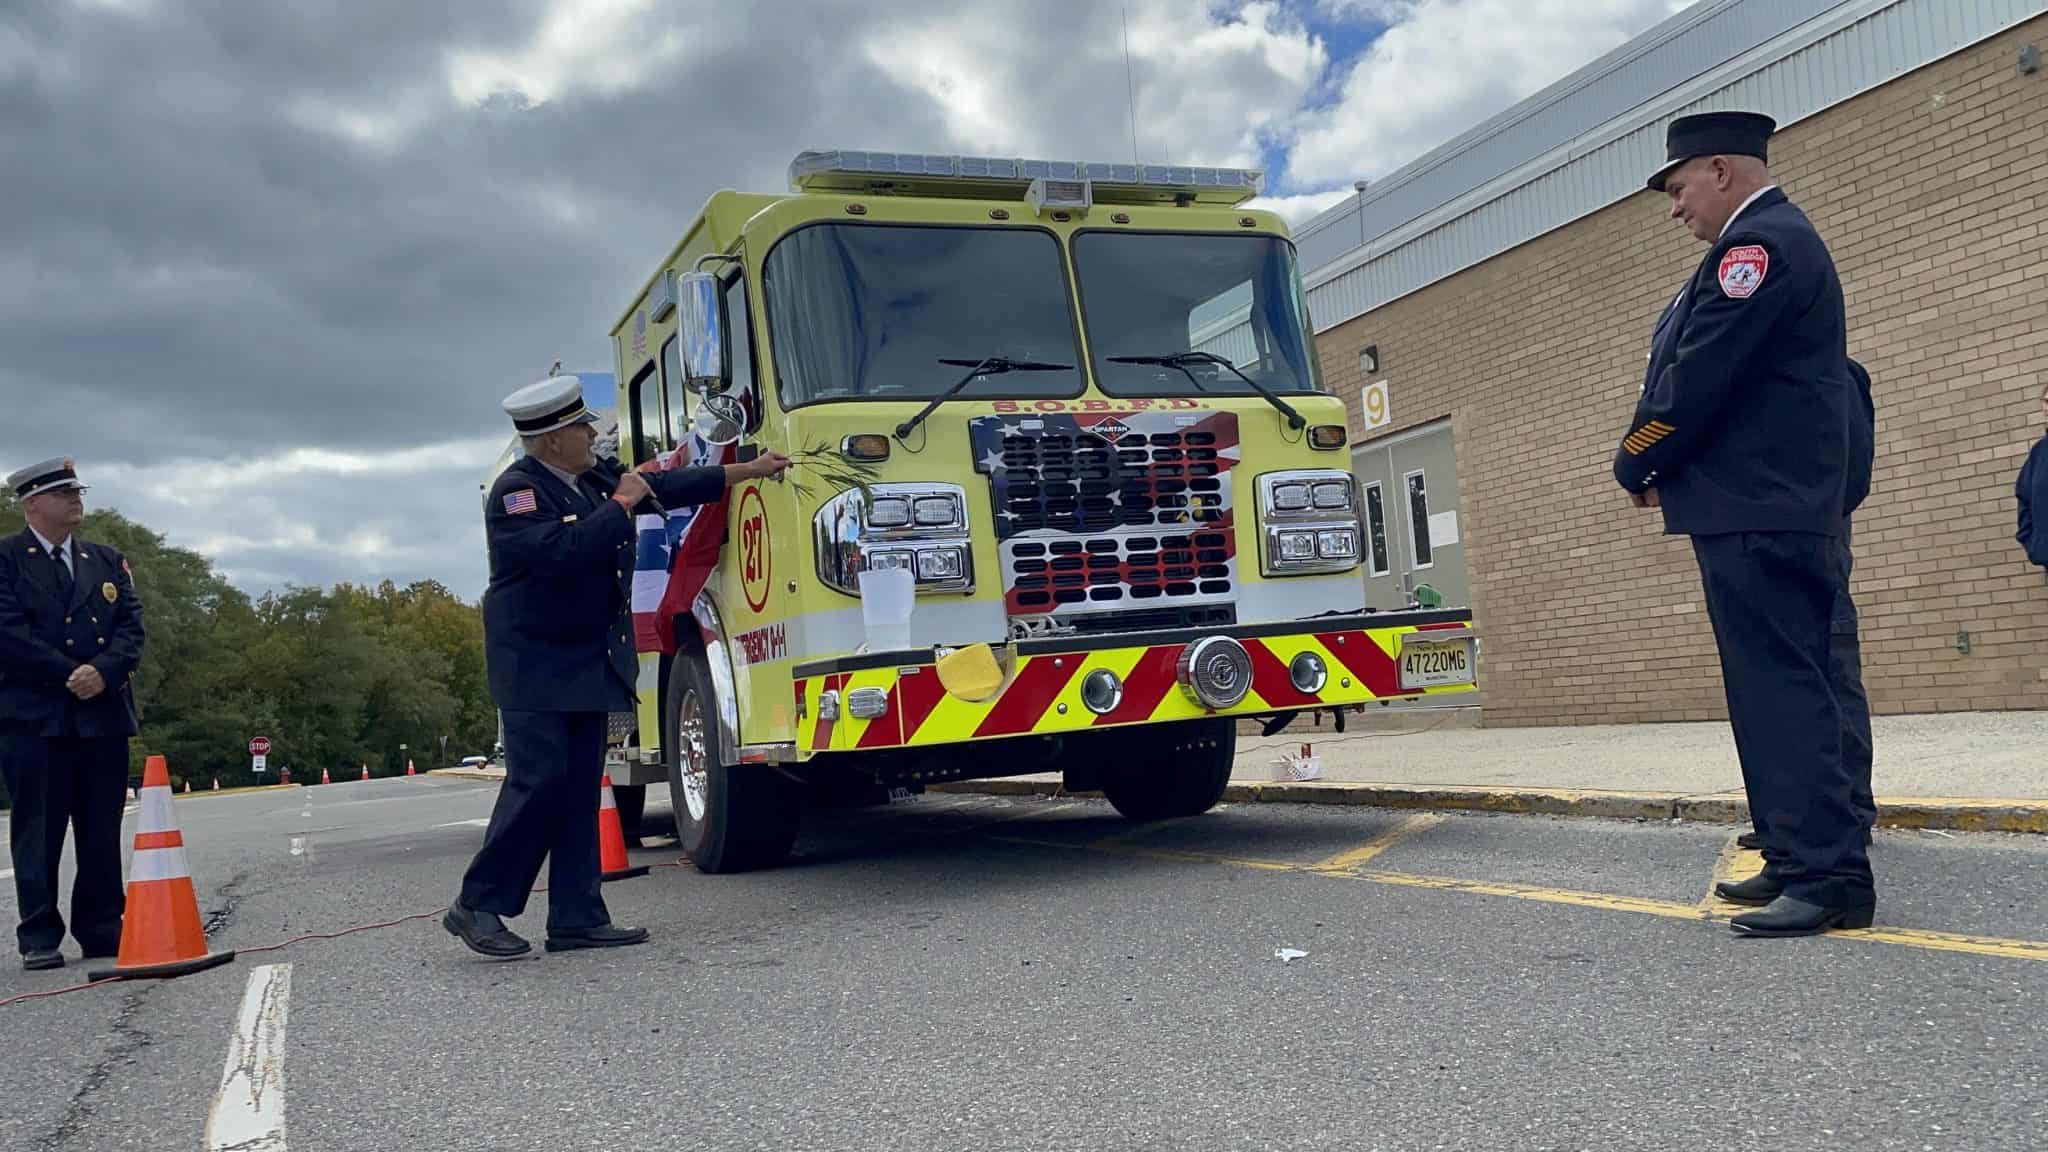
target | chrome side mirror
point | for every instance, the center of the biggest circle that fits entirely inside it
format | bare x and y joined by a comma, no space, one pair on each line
700,324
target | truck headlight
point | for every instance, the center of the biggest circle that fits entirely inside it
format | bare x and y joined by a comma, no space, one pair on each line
1310,521
921,527
1337,544
940,564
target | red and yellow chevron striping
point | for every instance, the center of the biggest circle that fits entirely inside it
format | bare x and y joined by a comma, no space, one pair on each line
1044,694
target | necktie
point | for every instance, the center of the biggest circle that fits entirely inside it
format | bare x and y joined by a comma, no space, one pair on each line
64,577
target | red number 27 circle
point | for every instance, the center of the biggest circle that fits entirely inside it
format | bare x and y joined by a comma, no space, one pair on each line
754,564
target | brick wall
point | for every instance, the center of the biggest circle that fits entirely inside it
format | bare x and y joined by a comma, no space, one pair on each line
1930,192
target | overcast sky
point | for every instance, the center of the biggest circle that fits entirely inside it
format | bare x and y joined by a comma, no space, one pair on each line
267,268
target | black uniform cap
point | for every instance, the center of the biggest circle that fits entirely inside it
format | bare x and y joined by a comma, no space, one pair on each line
1713,134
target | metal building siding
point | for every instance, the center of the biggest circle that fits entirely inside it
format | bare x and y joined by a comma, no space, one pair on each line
1684,46
1870,51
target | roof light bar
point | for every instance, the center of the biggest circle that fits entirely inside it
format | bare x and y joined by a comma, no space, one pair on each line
845,170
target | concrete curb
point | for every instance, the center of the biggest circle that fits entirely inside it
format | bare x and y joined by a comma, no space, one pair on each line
196,793
465,773
1964,814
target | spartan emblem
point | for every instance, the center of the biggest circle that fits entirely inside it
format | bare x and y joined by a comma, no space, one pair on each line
1112,430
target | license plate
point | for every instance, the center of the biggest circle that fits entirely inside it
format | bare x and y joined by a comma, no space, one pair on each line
1429,663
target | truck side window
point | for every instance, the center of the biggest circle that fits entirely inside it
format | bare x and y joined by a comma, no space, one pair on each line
739,347
646,432
1418,508
1376,529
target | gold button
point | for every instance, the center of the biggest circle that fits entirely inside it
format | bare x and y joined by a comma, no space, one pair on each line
103,641
67,619
67,643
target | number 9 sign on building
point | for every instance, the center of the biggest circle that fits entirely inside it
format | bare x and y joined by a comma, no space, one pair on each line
754,562
1375,405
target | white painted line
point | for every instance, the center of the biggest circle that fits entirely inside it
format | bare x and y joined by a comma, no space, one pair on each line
6,873
248,1111
481,823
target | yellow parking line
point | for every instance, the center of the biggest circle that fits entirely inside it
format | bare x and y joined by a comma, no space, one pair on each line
1155,853
1131,835
2010,949
1345,861
1035,814
1951,942
1736,863
1669,909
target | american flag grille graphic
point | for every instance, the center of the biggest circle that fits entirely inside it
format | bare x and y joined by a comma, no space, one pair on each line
1105,512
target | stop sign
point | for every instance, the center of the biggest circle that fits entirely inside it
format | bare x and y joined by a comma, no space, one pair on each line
260,746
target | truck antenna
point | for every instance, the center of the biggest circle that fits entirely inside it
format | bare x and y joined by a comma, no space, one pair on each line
1131,86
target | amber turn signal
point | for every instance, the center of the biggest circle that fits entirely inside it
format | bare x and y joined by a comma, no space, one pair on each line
1326,436
866,447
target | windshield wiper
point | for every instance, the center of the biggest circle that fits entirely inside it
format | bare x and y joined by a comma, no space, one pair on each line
1181,360
989,366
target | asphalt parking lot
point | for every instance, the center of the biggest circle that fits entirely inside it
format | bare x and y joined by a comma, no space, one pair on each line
968,971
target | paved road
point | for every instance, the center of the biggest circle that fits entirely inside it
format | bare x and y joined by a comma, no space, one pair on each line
976,972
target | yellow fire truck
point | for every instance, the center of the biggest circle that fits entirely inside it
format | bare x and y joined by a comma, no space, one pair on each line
1079,405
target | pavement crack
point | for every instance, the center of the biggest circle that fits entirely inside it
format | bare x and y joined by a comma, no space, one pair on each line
128,1039
128,1043
229,893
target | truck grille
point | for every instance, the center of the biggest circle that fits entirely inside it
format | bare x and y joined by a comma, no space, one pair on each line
1099,510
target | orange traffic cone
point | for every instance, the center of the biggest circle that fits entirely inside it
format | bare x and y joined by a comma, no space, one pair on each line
408,767
216,783
188,787
366,771
611,837
324,779
161,935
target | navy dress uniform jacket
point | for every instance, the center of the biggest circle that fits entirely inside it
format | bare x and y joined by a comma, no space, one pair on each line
2032,490
45,635
558,636
1745,420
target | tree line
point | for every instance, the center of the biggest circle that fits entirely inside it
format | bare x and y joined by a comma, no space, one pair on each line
337,678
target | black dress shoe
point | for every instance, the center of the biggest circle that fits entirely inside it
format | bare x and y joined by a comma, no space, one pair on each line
1789,917
41,959
484,932
1752,840
602,936
1759,889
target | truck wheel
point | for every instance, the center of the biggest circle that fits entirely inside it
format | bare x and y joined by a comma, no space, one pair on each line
1180,770
631,801
728,819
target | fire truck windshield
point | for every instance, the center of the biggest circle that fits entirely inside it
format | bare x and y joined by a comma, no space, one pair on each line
879,311
1145,295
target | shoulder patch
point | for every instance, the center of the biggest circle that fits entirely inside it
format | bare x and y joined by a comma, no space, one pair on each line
521,502
1742,270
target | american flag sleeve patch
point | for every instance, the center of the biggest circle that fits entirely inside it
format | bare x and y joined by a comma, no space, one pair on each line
521,502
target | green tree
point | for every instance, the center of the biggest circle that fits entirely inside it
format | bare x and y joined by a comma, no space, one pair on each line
335,678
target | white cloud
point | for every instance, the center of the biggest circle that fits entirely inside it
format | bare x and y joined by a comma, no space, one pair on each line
604,46
1443,66
332,242
381,123
1303,207
313,515
1208,83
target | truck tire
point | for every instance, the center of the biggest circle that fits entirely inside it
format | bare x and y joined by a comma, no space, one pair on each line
727,819
631,801
1179,770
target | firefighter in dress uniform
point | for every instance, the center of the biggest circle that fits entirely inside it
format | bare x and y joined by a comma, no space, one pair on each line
1744,436
70,640
558,648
